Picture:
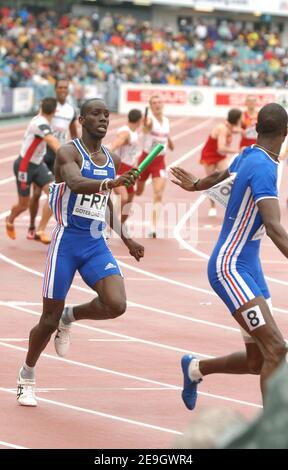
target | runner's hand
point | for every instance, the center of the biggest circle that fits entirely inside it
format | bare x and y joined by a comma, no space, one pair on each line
127,178
183,179
135,249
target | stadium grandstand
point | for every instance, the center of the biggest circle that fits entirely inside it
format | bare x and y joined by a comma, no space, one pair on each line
109,43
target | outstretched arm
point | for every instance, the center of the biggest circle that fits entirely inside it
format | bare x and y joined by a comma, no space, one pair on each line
189,182
121,139
222,146
67,169
270,212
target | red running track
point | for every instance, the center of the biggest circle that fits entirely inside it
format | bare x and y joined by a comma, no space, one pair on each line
120,385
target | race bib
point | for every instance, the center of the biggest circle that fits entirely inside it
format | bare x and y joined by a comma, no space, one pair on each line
91,206
156,142
22,176
251,133
221,192
61,135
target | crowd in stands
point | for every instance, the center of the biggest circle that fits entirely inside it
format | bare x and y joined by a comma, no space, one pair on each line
35,48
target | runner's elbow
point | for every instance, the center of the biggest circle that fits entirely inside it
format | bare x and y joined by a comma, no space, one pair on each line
272,229
75,185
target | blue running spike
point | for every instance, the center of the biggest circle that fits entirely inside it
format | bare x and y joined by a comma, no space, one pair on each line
189,392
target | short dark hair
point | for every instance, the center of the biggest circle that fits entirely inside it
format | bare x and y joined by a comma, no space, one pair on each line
63,79
48,105
272,119
134,115
86,105
234,115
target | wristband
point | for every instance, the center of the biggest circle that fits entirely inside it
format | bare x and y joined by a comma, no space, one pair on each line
104,184
195,182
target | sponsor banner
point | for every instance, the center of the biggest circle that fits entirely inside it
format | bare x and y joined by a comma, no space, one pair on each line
7,100
196,101
277,7
91,91
23,100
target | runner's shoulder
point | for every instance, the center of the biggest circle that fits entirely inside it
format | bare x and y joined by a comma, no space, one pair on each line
67,151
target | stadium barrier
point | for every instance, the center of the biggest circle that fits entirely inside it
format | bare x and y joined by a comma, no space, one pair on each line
196,101
24,101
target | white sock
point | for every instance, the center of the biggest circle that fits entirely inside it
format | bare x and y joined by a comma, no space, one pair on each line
67,315
27,372
194,371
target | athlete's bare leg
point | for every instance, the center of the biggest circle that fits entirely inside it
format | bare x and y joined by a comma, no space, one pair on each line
41,333
140,187
126,200
158,185
21,206
269,343
110,303
46,212
34,204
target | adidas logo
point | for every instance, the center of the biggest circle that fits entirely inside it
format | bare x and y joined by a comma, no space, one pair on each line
109,266
111,165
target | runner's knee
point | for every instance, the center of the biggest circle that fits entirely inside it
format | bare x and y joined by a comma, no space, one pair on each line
158,196
50,322
275,348
24,204
116,307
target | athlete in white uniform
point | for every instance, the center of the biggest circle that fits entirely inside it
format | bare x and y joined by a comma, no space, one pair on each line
156,130
63,123
29,166
126,147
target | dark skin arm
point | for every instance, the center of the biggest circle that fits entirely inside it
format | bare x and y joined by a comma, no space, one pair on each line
270,212
67,168
135,249
186,180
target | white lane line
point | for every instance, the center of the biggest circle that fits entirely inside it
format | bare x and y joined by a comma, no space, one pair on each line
121,374
7,180
194,129
117,335
95,389
102,415
161,278
14,340
13,446
8,159
112,340
92,367
11,144
3,215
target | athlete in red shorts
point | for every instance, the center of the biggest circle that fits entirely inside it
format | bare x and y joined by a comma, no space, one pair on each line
248,123
126,147
214,153
156,130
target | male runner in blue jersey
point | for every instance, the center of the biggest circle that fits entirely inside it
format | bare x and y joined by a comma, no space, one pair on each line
234,269
85,173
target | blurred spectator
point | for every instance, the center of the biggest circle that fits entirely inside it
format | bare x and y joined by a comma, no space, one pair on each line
269,430
209,427
121,48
